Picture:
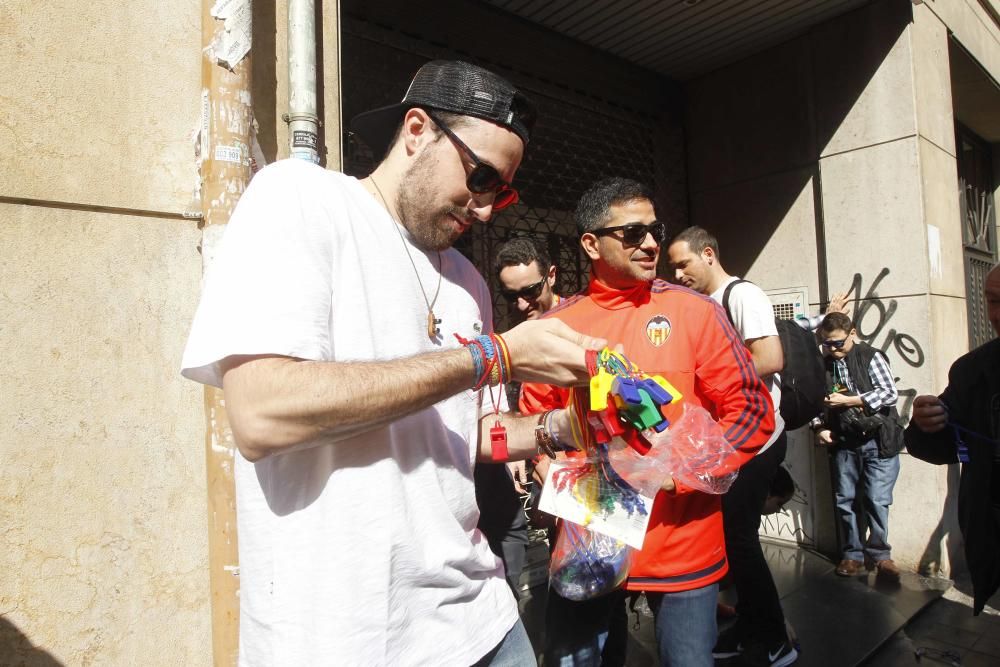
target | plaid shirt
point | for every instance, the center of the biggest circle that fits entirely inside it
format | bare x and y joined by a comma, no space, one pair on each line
884,393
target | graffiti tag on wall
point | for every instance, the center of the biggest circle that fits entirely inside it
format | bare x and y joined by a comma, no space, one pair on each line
794,521
872,317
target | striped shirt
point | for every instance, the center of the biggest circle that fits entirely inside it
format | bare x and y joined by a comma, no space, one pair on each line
883,395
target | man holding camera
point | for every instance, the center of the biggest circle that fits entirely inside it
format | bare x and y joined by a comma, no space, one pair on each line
862,426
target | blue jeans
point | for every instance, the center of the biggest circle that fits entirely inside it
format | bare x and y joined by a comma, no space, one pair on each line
878,477
514,650
575,632
685,626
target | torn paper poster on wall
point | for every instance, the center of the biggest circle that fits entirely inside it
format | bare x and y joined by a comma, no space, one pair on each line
257,159
232,43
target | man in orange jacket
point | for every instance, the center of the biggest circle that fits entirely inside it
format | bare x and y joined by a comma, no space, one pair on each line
685,337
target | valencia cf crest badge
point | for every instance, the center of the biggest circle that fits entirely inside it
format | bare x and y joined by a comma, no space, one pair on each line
658,330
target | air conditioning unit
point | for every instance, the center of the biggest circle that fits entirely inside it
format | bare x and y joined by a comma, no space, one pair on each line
789,303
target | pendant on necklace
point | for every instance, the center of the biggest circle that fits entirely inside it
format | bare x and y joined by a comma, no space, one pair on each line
432,328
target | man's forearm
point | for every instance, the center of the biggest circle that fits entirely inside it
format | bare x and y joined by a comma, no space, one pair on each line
277,403
884,388
937,448
878,398
520,432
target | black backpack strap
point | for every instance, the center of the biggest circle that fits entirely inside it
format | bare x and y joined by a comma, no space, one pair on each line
725,298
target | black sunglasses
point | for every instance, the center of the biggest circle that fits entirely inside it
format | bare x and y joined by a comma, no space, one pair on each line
529,293
835,344
483,178
634,233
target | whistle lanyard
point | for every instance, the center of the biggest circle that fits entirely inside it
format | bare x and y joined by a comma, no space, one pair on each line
960,446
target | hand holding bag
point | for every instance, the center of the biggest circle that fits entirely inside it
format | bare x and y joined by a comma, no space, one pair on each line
855,422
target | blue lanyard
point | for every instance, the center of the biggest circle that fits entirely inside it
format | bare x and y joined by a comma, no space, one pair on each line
963,449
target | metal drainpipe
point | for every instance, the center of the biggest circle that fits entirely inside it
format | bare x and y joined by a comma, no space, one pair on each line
303,123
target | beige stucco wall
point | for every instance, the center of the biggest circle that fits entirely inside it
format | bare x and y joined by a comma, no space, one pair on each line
972,27
944,311
882,185
102,495
97,101
840,169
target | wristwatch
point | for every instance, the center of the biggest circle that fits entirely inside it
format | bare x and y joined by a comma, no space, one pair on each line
543,439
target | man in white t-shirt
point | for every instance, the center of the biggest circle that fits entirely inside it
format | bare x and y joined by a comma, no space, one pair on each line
331,318
759,635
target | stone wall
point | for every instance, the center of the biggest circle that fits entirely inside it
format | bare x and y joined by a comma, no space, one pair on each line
840,161
102,498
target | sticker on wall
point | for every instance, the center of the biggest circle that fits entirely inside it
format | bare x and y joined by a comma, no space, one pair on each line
228,154
304,139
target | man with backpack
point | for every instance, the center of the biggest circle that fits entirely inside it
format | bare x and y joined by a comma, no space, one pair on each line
758,636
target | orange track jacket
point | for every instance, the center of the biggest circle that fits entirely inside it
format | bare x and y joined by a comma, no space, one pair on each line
687,338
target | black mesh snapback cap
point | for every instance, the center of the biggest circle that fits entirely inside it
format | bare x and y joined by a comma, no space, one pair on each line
455,86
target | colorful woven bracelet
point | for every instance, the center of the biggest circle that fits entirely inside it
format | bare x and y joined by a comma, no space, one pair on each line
501,345
482,361
478,358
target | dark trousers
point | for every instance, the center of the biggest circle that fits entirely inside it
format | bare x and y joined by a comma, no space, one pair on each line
502,520
576,633
758,605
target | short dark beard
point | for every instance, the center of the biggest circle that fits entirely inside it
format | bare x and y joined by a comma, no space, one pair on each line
412,197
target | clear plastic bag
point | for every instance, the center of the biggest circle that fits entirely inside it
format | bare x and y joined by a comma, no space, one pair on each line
609,492
626,468
695,452
585,565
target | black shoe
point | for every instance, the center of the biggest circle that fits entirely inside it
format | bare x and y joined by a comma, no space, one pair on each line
729,643
764,655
